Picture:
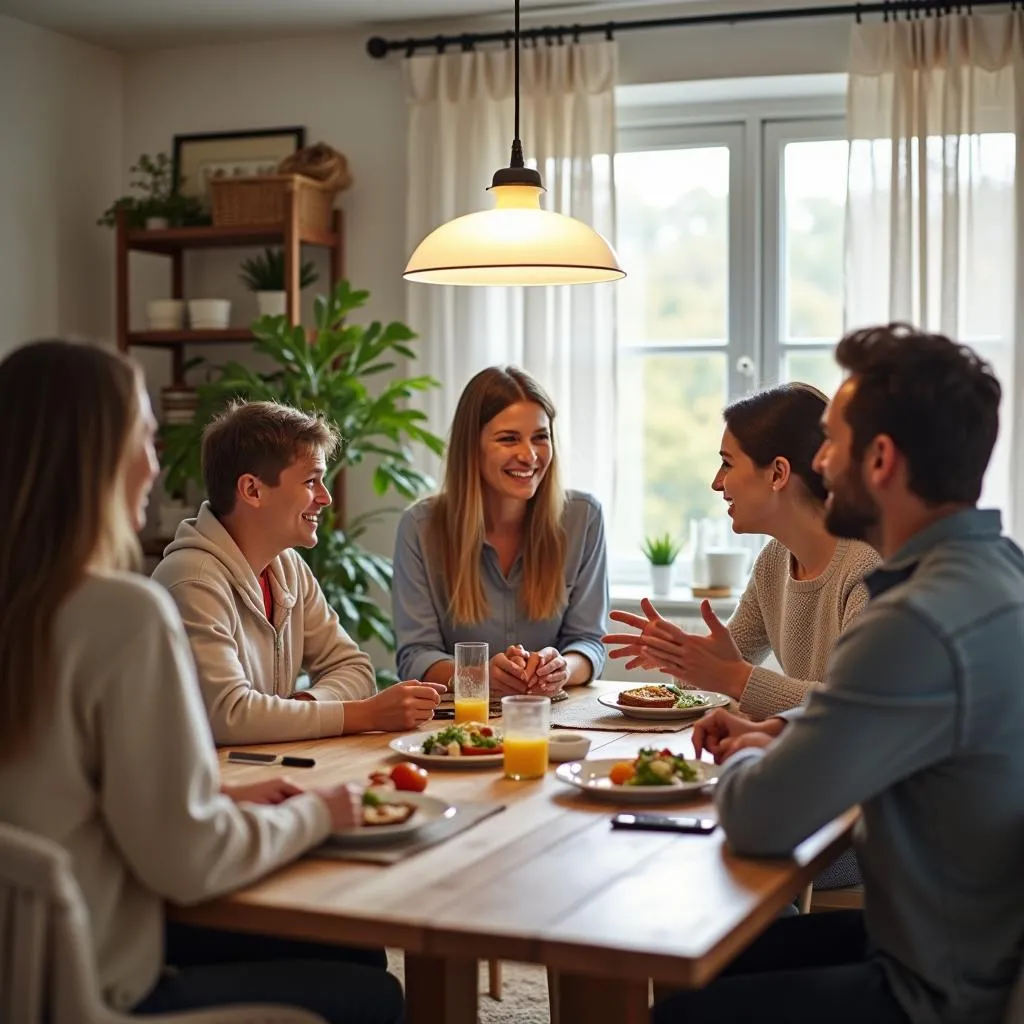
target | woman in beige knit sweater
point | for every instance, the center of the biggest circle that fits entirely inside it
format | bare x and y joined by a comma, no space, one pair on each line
806,586
104,744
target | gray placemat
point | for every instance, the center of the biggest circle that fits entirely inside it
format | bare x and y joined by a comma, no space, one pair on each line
469,814
589,714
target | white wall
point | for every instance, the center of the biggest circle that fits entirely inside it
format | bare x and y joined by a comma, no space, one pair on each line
61,164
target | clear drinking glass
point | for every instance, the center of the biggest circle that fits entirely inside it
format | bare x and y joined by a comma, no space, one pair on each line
471,688
526,722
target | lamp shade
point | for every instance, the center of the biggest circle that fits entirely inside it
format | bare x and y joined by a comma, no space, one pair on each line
516,243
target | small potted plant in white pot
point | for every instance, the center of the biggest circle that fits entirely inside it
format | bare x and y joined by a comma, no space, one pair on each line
661,552
264,275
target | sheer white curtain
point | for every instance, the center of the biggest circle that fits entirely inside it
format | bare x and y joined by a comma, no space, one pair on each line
460,133
934,216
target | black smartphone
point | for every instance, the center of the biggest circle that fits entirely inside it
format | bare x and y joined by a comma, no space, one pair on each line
665,823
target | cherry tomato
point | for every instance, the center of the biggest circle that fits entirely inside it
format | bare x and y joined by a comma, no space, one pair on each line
621,773
486,730
409,776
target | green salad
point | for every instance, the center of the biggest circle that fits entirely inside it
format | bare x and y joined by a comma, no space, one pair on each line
687,698
661,768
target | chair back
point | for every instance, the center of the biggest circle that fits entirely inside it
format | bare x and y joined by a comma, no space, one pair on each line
47,969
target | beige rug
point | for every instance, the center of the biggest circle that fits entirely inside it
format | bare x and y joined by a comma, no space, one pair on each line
524,992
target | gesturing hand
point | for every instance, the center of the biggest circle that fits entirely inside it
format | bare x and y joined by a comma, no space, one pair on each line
712,662
269,791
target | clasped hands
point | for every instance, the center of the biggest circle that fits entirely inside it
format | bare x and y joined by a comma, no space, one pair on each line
710,662
518,670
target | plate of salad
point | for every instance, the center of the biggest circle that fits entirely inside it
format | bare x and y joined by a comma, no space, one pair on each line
664,702
466,745
389,815
653,776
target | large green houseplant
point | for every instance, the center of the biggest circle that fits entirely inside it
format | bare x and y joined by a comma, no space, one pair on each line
329,372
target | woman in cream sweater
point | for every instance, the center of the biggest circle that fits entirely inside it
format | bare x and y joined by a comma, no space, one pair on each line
104,743
806,586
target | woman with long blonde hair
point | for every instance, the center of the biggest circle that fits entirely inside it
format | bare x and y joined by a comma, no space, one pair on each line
502,554
104,744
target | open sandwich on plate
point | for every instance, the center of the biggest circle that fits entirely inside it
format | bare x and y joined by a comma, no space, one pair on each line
660,695
385,812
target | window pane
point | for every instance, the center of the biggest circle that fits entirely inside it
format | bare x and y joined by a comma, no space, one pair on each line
814,205
812,366
673,235
670,429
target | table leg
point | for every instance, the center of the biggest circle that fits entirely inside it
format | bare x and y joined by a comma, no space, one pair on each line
440,990
599,1000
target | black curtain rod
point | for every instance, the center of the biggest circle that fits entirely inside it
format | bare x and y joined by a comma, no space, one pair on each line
379,47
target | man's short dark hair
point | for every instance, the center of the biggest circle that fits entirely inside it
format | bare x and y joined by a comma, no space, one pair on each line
261,438
937,400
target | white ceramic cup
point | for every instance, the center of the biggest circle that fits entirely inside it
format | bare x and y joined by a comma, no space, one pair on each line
209,314
726,567
165,314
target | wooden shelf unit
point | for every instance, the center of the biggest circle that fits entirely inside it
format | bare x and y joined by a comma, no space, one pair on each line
175,242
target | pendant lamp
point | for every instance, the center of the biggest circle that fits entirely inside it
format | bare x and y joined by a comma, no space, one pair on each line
517,243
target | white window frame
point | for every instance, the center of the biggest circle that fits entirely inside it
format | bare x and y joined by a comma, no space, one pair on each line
755,130
776,134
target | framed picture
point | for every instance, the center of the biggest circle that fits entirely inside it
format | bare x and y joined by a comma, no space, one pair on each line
200,157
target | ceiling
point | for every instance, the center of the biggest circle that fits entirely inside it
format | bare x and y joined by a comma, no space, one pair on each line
145,24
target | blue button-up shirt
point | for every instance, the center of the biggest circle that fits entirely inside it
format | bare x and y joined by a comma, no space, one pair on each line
920,720
419,597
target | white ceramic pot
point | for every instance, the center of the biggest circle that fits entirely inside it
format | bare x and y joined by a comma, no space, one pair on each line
661,580
157,223
165,314
209,314
727,567
271,303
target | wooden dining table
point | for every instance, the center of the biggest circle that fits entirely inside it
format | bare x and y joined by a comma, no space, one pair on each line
545,881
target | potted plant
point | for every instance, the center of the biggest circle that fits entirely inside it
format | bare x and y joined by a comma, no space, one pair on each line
333,372
661,552
161,203
264,275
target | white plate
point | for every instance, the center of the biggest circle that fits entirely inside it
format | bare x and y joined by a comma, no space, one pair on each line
592,777
410,747
715,700
428,809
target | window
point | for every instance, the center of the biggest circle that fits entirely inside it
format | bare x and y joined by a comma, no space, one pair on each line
732,233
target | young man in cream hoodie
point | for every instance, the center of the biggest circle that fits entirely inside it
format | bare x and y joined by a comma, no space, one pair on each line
254,613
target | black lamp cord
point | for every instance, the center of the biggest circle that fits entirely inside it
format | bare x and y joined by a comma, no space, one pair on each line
517,145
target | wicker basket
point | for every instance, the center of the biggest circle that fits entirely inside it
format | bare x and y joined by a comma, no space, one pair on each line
257,201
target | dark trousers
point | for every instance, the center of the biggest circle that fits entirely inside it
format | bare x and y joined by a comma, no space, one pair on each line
811,969
210,968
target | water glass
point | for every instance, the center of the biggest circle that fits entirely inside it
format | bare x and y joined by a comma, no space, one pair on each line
470,684
526,722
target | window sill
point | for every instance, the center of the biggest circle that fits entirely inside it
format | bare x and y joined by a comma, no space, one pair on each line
679,604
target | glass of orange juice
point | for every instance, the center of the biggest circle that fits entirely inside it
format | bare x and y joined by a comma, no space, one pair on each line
471,682
526,722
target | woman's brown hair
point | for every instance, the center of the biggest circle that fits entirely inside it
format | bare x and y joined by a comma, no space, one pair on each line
456,527
67,412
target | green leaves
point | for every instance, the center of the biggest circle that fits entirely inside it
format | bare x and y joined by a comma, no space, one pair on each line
265,273
661,550
333,370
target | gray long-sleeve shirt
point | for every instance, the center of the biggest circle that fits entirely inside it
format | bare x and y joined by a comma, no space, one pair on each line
920,721
426,632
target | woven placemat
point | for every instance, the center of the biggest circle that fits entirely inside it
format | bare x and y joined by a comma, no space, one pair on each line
589,714
469,814
446,709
